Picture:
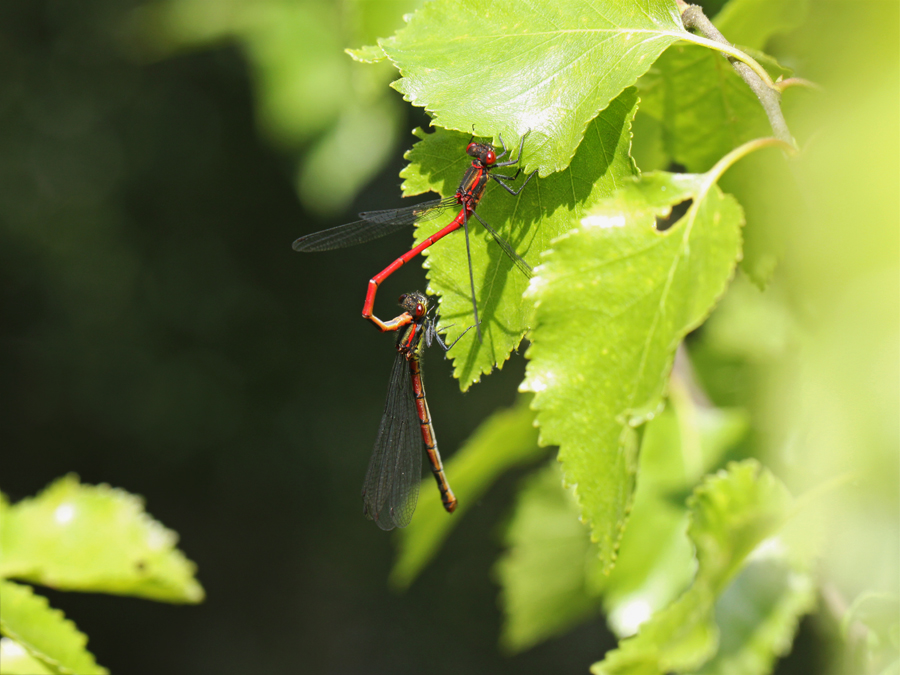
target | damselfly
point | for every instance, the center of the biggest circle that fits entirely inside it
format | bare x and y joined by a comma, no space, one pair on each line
391,487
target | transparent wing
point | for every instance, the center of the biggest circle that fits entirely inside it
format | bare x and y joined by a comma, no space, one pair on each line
372,225
391,488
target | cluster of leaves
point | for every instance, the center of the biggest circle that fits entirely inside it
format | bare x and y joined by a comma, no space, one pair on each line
706,565
78,537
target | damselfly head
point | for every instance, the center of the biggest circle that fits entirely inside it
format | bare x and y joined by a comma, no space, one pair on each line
482,152
415,303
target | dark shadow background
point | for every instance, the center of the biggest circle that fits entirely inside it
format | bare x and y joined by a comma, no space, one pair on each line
157,333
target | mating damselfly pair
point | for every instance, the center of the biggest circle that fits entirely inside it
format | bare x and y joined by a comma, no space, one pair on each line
391,486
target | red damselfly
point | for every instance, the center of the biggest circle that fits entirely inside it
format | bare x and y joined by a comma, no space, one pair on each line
374,224
391,487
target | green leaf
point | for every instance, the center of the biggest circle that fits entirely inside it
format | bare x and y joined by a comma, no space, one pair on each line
545,209
752,22
44,632
614,299
731,513
545,572
550,575
735,520
655,562
757,615
647,143
15,660
704,106
94,538
367,54
506,439
705,110
512,67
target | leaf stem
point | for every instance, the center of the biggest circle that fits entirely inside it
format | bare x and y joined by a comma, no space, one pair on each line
728,160
734,56
768,93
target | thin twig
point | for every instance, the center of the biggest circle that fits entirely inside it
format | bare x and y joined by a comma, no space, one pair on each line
797,82
693,18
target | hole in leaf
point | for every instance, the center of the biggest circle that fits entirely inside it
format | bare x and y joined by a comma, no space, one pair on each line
664,223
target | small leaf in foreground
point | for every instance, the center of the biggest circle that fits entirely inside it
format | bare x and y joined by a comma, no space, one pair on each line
614,299
655,562
44,632
757,615
94,538
514,67
506,439
736,522
550,575
545,209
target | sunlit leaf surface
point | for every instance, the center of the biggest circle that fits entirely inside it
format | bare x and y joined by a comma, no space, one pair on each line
546,208
44,632
614,298
15,660
62,539
510,67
